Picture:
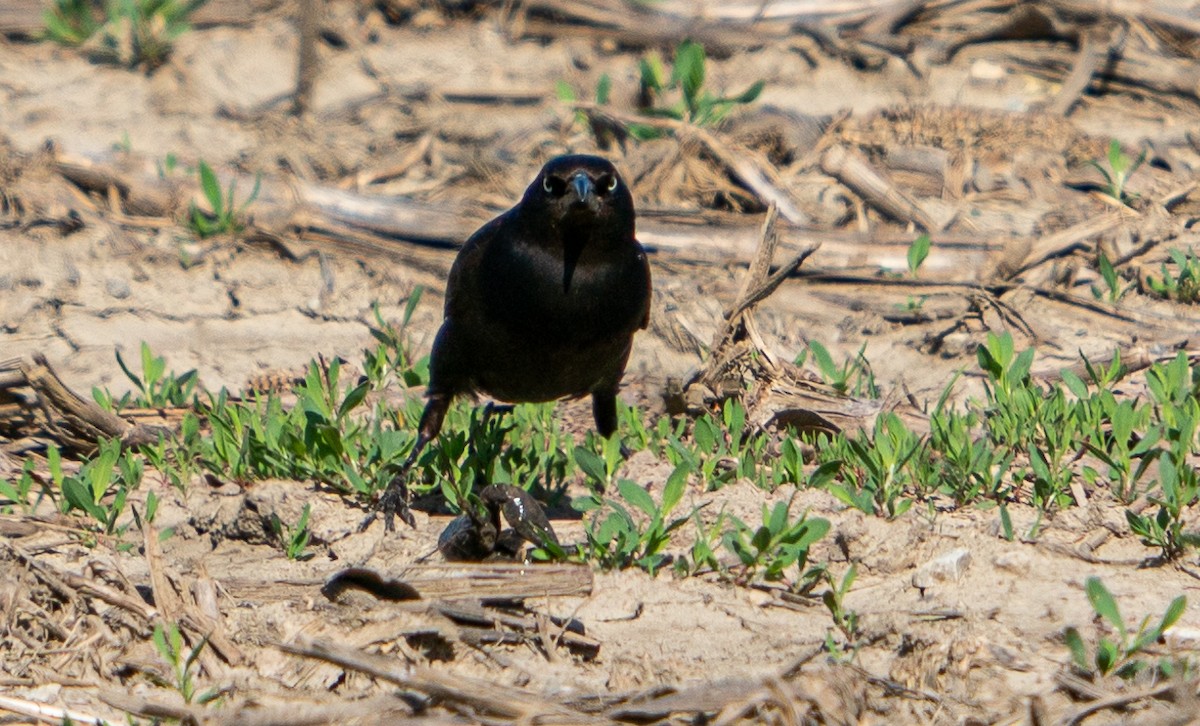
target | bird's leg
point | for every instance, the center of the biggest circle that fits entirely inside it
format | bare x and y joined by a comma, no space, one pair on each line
604,412
395,499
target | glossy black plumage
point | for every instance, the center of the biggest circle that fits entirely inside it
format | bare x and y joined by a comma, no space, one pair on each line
542,302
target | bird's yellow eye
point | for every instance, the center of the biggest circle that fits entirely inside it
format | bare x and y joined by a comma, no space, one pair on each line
546,184
612,183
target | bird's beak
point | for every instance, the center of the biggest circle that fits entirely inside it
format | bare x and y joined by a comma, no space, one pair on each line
585,191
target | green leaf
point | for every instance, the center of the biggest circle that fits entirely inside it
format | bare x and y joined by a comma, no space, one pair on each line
633,493
1020,367
1103,603
1106,657
674,488
750,94
1075,645
564,92
211,188
689,72
653,76
814,529
823,359
1006,525
777,519
603,88
1173,613
1074,384
353,398
591,463
917,252
160,643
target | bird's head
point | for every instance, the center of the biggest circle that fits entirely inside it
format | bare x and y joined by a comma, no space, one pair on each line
578,190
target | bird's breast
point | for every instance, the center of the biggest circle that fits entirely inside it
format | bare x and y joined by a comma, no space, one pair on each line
532,292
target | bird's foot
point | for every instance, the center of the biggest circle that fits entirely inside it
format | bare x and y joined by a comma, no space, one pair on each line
394,501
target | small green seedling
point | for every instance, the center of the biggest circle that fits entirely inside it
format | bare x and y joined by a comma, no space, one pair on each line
695,104
1120,168
619,539
294,537
1118,656
1182,285
1114,289
130,33
779,544
845,620
169,643
853,377
223,216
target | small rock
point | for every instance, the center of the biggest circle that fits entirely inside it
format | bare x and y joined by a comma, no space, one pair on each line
949,566
1183,638
986,73
1016,561
117,287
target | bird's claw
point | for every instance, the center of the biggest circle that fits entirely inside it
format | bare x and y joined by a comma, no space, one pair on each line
395,501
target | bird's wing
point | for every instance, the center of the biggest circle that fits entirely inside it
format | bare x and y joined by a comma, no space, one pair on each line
466,265
649,288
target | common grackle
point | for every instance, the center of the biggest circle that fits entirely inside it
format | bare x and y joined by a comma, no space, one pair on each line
542,303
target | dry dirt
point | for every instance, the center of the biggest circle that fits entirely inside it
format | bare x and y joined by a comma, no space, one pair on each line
80,280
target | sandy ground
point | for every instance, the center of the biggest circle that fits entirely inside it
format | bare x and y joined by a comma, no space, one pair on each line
982,647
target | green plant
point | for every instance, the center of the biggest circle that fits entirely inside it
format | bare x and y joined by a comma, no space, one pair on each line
111,470
1120,168
616,539
917,252
1182,286
71,22
156,387
1114,289
1118,656
845,620
854,377
17,491
1174,386
703,554
776,545
881,470
222,216
695,104
688,74
294,537
391,358
168,641
131,33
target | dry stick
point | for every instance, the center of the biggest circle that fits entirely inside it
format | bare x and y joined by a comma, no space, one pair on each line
758,178
1134,68
856,172
1116,701
312,714
46,712
411,157
86,421
887,22
475,694
1068,240
130,703
69,585
306,65
174,609
1096,49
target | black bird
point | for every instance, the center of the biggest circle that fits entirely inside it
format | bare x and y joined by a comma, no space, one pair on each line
542,303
